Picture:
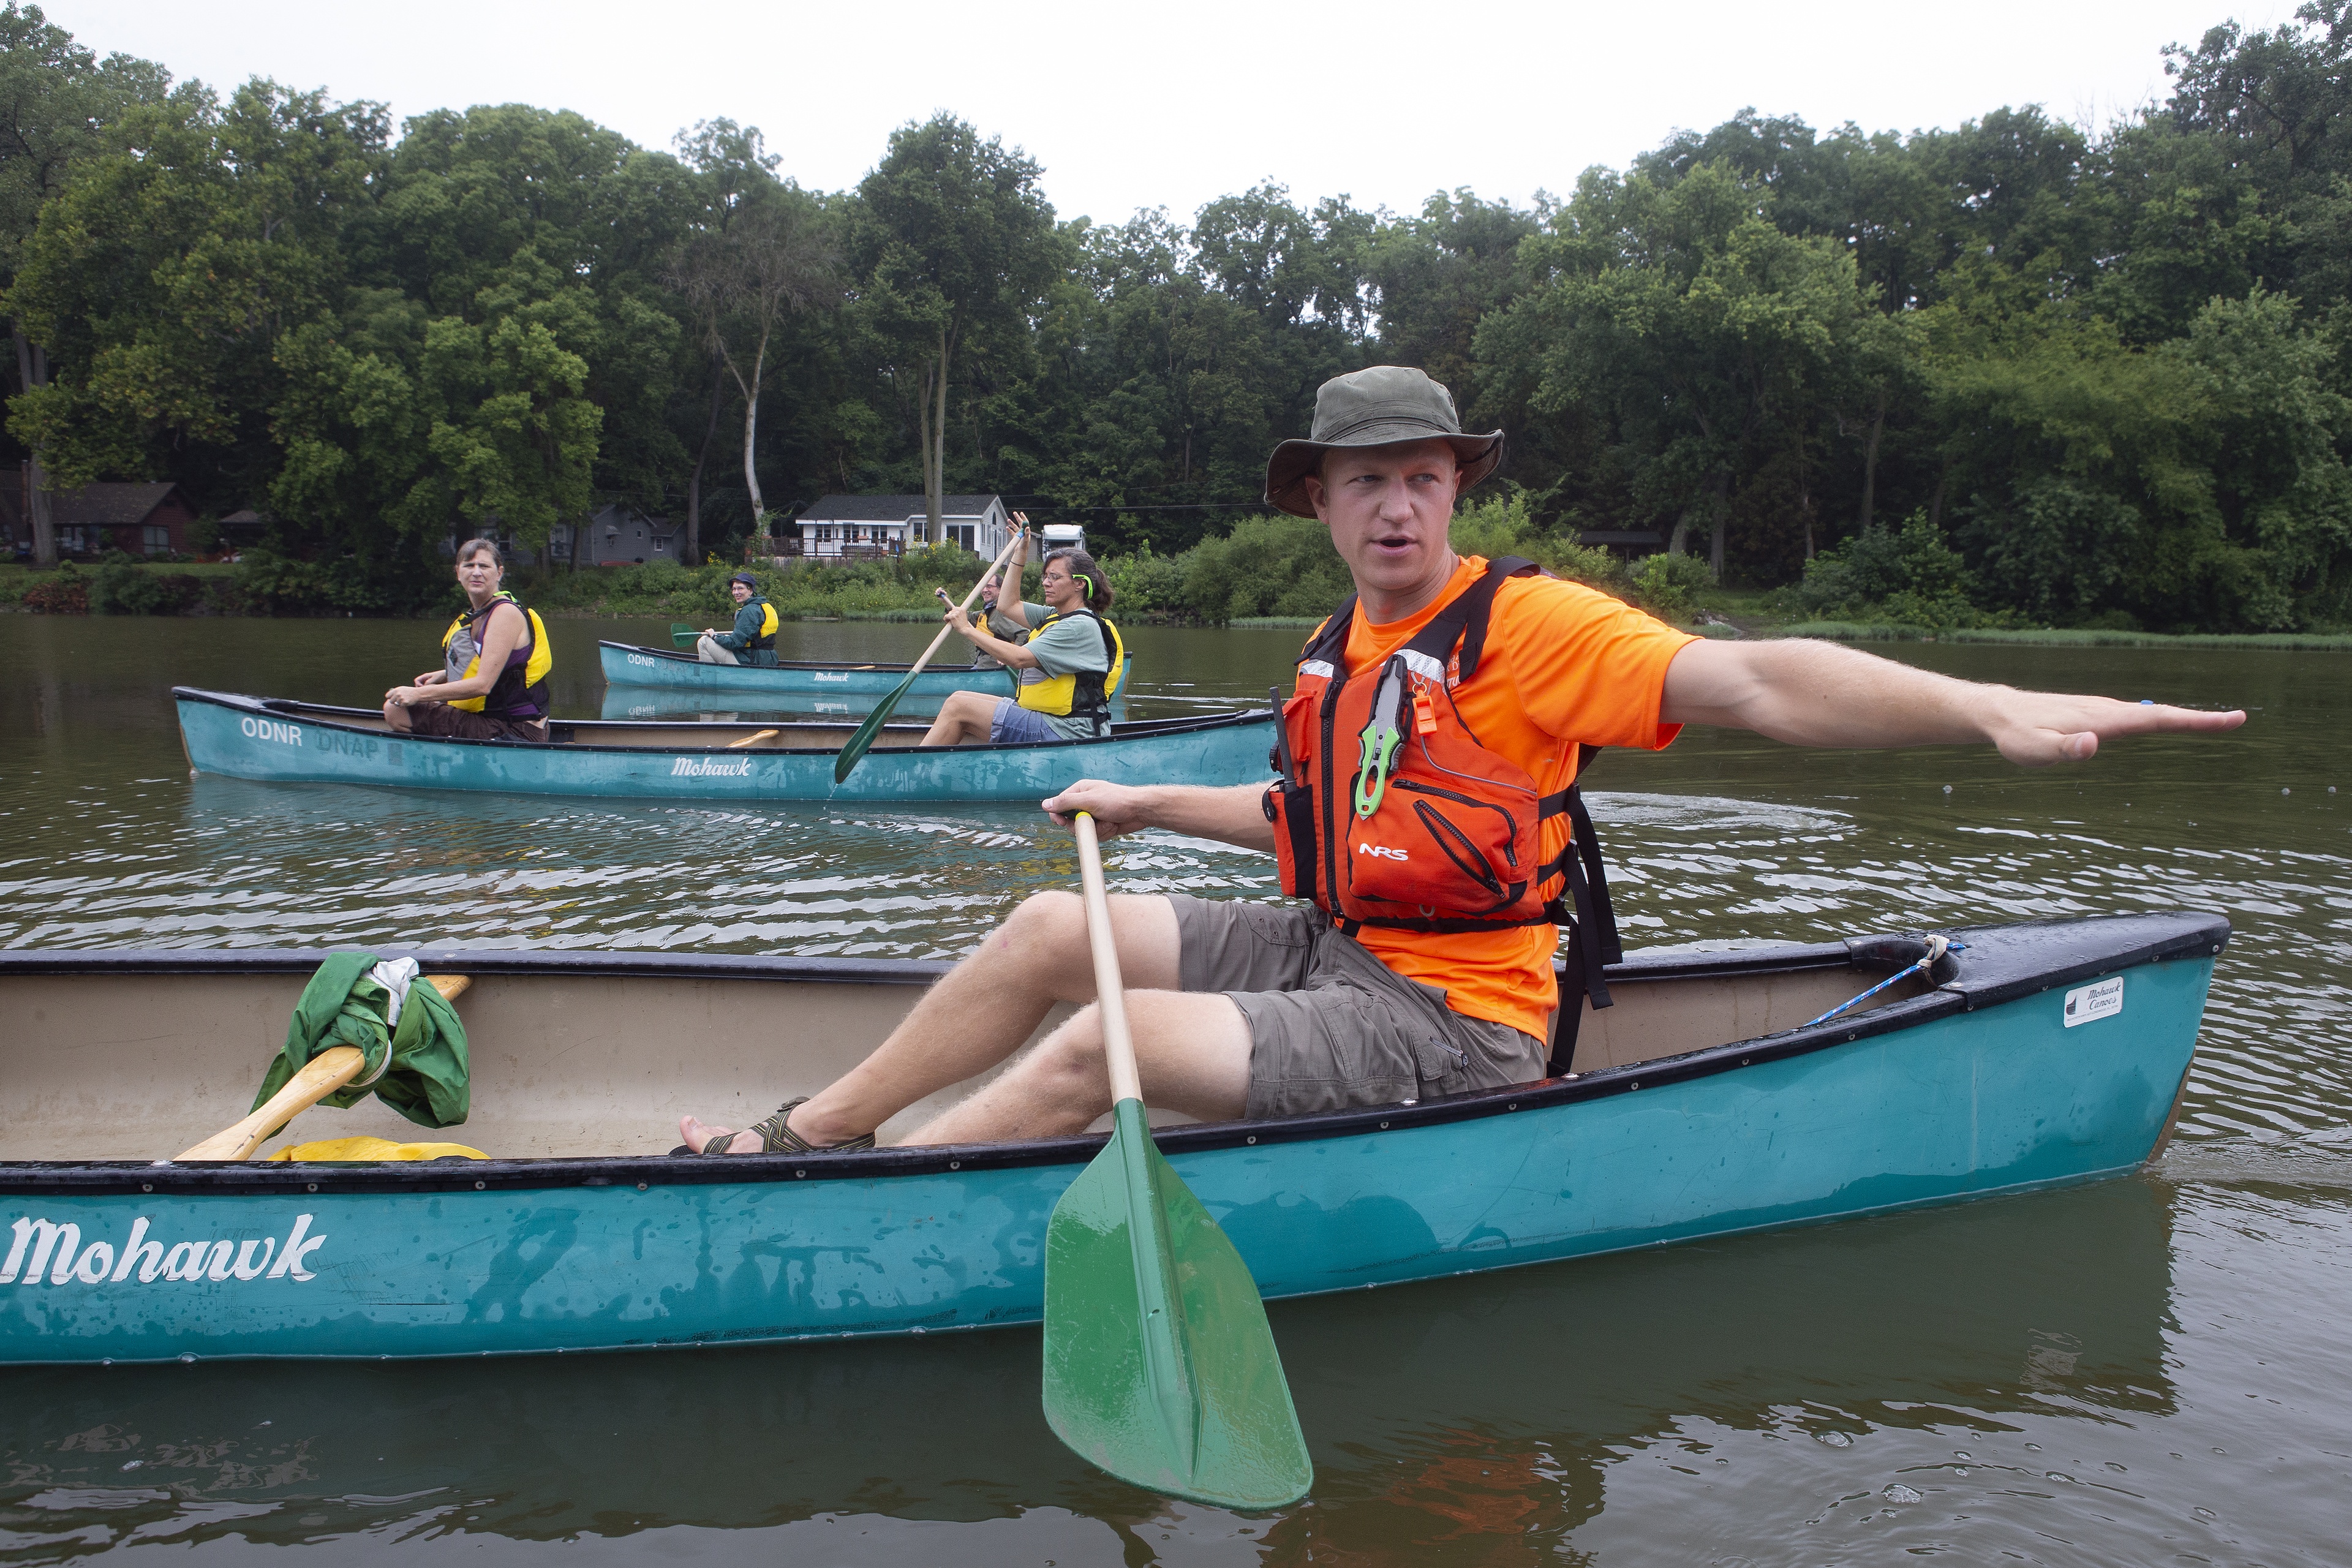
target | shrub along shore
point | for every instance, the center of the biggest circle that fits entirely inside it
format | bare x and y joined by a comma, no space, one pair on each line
1268,573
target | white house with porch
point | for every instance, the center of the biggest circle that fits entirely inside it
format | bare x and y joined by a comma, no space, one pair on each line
849,527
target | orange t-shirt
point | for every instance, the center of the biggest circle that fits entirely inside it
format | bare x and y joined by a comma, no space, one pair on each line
1564,666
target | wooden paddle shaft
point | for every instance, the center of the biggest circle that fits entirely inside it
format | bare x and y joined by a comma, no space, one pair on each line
969,599
752,739
323,1074
1110,995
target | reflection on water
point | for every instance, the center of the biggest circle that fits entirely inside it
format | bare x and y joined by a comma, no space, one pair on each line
2146,1371
1932,1314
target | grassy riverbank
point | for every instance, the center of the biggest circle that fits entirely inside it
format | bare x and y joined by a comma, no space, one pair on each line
2058,636
900,590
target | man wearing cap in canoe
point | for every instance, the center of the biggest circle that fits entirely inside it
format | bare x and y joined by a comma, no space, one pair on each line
1422,821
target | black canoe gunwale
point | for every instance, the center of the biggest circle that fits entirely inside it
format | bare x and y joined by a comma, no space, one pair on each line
564,732
2001,963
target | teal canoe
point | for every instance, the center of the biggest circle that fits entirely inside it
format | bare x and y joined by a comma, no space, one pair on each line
1712,1098
282,741
627,664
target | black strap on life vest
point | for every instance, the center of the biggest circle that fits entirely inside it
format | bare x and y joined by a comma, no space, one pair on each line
1592,940
510,696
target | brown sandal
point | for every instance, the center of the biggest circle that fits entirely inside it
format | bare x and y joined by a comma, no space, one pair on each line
776,1136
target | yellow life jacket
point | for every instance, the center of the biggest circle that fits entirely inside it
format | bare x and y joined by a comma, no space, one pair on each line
1081,693
767,637
520,697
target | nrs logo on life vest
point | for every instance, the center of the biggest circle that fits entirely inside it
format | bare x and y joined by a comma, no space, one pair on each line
708,768
271,729
1381,852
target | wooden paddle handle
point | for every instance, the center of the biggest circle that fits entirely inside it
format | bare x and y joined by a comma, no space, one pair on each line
752,739
323,1074
1110,995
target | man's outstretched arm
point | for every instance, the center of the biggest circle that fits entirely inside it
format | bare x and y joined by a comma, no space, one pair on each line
1820,694
1234,815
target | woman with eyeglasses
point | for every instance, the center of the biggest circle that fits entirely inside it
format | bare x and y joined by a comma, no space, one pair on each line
1068,661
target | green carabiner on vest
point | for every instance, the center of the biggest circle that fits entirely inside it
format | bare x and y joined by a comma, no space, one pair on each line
1380,740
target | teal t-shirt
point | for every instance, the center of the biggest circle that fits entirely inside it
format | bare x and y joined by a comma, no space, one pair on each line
1069,647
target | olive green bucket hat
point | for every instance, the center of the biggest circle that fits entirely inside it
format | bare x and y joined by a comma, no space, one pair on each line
1385,405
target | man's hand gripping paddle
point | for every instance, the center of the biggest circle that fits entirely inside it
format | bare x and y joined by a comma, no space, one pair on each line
862,740
1160,1366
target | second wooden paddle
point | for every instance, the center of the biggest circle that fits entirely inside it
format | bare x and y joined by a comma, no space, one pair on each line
1160,1366
321,1077
862,739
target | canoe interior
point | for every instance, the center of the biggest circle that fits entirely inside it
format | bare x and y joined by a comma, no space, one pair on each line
139,1064
716,733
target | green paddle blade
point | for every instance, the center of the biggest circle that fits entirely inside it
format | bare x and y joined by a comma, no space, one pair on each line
682,636
862,738
1160,1366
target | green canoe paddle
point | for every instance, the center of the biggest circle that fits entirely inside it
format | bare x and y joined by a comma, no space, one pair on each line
1160,1366
861,739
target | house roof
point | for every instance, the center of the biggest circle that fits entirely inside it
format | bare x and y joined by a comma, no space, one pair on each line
108,505
891,509
612,514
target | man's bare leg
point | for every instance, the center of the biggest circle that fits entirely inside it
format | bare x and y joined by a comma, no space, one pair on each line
396,715
983,1010
965,716
1192,1050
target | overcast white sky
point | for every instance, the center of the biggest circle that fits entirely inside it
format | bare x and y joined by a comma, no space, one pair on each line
1131,106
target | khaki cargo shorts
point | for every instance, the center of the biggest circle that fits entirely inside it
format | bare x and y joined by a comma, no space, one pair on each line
1331,1025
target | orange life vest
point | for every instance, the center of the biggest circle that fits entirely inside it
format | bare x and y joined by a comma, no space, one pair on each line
1389,813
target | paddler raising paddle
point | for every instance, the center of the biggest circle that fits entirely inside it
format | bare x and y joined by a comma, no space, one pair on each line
995,616
1422,821
1066,660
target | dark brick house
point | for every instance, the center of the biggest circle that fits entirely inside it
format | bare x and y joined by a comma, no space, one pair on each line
140,520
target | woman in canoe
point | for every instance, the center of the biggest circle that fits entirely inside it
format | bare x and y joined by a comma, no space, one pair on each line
492,684
1067,663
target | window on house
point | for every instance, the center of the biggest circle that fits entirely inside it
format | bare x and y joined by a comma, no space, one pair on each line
158,540
965,534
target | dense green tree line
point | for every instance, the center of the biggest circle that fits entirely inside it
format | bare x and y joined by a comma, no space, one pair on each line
2013,370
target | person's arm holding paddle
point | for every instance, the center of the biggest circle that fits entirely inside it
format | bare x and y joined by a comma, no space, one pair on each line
1010,577
1011,654
1811,693
1234,815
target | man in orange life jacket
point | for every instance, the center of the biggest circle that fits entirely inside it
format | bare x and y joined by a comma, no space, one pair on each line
1424,808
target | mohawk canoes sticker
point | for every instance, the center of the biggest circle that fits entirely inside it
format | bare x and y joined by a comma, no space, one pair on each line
42,1249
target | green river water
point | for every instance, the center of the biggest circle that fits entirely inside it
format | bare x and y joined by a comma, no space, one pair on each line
2155,1370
